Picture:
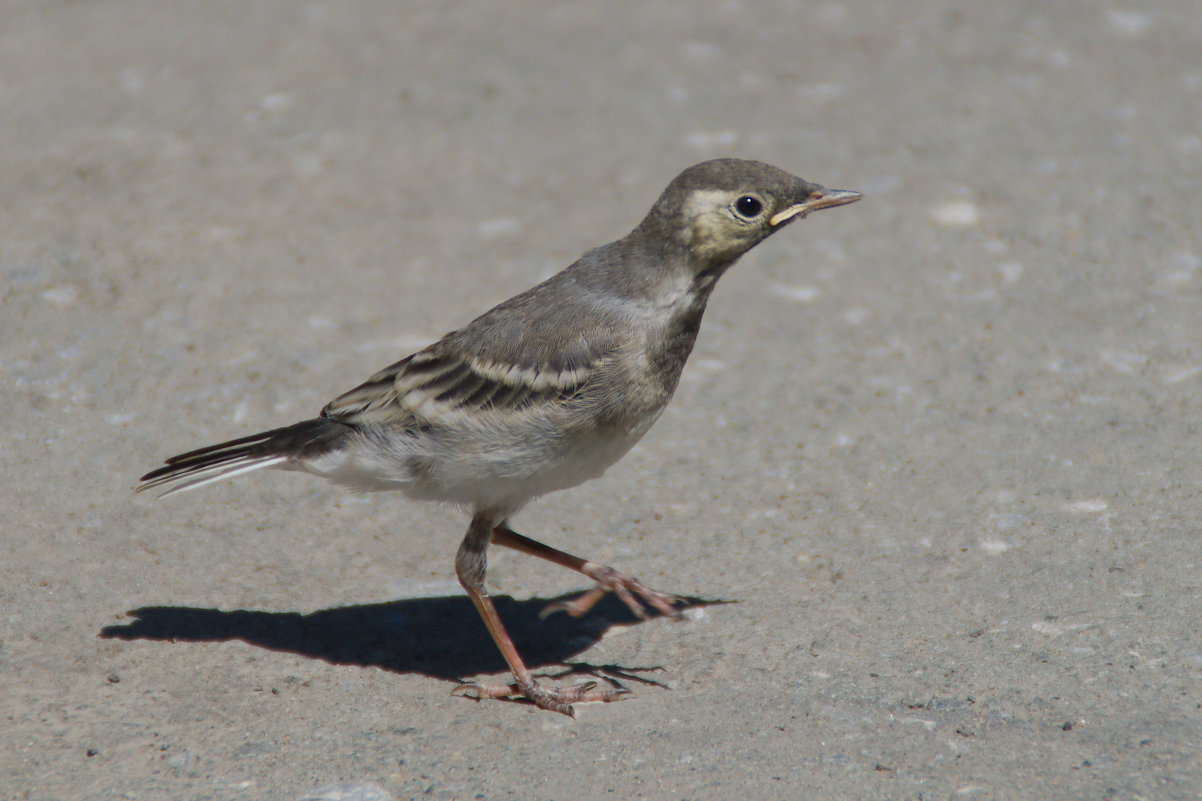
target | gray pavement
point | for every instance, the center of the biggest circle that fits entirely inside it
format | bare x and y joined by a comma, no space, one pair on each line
939,446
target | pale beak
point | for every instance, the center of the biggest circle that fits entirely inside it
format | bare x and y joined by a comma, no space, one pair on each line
818,199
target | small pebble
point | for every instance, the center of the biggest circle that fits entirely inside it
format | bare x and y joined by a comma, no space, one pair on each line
956,214
348,791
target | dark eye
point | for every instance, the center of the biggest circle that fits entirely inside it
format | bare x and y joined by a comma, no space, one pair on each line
748,206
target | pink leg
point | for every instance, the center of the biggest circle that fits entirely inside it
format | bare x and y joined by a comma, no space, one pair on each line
470,565
608,580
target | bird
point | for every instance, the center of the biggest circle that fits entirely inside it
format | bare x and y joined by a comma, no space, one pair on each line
543,392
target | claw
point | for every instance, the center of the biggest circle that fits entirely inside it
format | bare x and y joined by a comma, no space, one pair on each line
577,606
628,589
554,699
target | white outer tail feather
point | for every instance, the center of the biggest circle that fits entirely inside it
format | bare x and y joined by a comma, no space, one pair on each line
210,475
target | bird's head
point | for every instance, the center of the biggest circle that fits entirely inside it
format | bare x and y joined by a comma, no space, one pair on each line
716,211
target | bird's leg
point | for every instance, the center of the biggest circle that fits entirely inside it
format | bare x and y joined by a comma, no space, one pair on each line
471,563
629,589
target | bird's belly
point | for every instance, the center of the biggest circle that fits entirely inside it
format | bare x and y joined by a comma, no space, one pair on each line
483,467
506,475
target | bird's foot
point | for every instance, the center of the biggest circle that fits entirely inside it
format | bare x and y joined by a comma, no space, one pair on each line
632,592
553,699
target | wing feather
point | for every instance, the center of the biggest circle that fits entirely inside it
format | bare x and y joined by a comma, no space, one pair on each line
541,347
425,387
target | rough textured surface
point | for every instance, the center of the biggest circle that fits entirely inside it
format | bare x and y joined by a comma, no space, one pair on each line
939,446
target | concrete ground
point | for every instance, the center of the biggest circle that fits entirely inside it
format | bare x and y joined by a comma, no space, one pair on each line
939,448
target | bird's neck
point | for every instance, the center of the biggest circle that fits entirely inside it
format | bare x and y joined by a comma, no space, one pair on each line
636,273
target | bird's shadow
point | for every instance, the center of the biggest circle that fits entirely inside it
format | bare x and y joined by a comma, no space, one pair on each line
442,637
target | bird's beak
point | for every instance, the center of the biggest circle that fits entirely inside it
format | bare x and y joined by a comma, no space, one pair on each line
820,198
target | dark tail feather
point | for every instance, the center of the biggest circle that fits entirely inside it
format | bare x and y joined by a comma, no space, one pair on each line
206,465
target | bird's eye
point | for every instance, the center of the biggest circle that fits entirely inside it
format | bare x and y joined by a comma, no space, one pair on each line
747,206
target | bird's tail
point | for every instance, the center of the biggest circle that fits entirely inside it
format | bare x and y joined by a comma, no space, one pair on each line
216,462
